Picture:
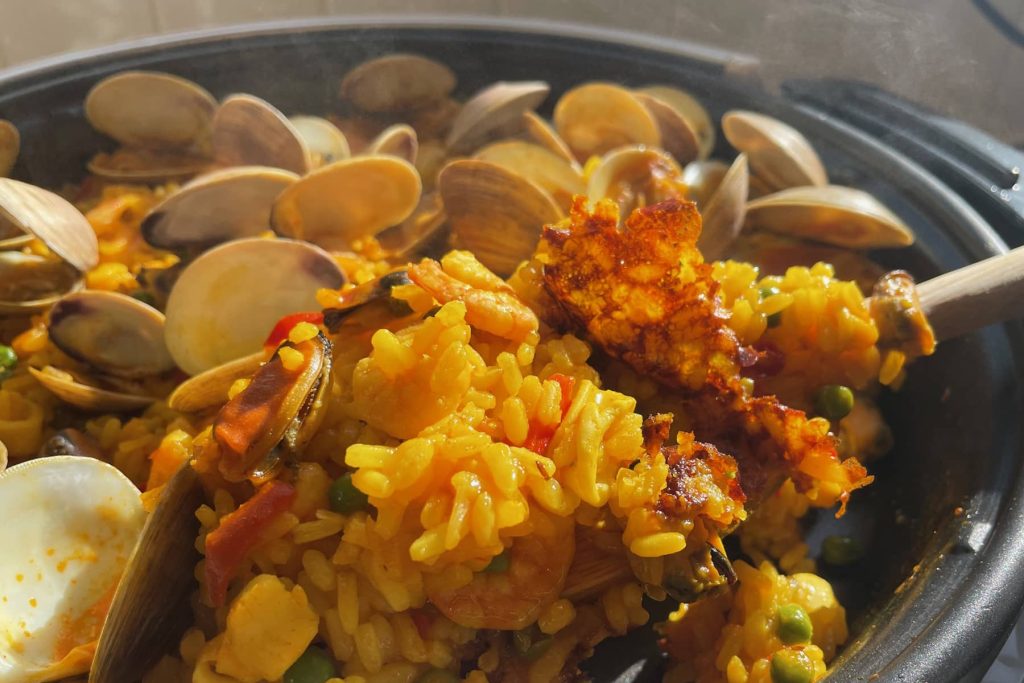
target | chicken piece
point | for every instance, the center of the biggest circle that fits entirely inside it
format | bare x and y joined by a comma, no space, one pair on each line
643,293
268,628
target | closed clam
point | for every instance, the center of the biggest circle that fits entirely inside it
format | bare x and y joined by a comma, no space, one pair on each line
692,112
348,200
494,212
221,205
547,170
248,131
84,393
635,177
595,118
211,316
65,554
492,109
52,219
833,214
10,145
30,283
325,141
398,140
779,155
397,82
678,137
724,211
112,332
539,131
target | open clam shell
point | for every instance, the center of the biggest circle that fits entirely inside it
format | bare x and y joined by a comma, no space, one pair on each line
71,550
248,131
595,118
539,131
348,200
209,389
678,137
397,82
724,212
398,140
779,154
832,214
226,302
702,178
88,397
137,165
222,205
494,212
544,168
491,109
636,176
10,145
112,332
325,141
420,233
30,283
52,219
150,110
691,110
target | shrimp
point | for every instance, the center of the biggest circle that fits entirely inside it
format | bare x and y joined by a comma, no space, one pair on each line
491,305
514,598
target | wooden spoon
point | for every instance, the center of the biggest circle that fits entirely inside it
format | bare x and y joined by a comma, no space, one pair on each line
975,296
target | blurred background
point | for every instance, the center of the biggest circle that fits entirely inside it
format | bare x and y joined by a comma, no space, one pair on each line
962,58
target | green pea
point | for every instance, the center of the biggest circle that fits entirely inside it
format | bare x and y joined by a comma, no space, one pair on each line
767,292
834,401
794,626
841,550
345,497
499,564
313,666
437,676
8,358
792,666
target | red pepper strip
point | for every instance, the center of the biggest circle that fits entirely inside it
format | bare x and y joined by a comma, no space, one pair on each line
538,438
239,532
423,622
285,325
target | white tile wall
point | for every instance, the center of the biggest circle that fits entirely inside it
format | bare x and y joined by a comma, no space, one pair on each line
941,52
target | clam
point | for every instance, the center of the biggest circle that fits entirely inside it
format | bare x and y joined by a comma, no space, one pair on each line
702,178
52,219
112,332
547,170
494,212
151,606
724,212
226,302
29,283
71,552
3,457
10,144
397,82
595,118
326,143
221,205
398,140
833,214
127,165
691,110
248,131
678,138
150,110
276,414
348,200
539,131
493,108
779,154
634,177
418,233
12,237
84,394
209,389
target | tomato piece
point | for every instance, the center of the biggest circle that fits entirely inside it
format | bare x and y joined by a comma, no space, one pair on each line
539,436
285,325
239,532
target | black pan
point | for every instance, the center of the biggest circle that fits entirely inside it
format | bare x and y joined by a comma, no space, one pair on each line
937,593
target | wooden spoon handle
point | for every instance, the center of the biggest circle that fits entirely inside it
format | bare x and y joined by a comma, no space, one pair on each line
983,293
